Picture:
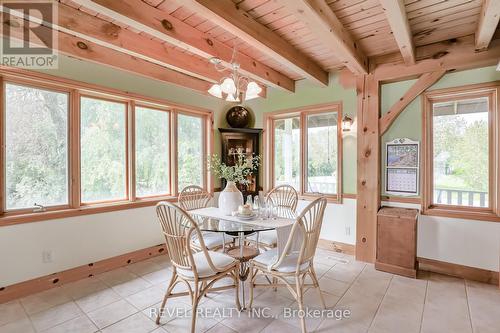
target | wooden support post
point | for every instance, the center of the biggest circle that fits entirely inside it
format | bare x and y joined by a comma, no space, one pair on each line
368,179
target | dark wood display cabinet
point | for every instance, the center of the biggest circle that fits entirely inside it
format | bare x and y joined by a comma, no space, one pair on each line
247,140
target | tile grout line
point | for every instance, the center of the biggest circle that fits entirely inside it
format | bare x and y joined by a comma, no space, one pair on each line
343,294
379,304
423,307
468,306
27,315
86,315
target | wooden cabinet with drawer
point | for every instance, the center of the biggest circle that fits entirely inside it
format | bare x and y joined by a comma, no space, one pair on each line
397,241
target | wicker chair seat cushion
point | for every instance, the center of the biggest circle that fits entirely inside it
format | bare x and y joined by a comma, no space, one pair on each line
220,261
288,265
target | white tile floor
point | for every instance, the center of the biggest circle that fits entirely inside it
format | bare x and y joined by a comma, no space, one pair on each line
122,301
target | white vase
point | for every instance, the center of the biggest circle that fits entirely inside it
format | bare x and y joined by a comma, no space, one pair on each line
230,199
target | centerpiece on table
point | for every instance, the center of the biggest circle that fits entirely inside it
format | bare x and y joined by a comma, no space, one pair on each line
244,166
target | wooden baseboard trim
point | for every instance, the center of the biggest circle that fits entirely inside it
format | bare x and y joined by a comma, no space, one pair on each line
337,246
408,272
29,287
465,272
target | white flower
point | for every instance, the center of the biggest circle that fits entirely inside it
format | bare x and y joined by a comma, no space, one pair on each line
239,172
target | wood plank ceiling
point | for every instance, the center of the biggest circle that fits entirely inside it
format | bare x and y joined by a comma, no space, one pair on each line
365,21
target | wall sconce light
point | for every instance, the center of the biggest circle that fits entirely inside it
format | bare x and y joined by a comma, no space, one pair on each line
346,123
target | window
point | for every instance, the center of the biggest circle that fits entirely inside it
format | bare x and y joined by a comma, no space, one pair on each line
459,148
190,151
152,172
103,150
322,153
36,147
72,149
306,150
287,152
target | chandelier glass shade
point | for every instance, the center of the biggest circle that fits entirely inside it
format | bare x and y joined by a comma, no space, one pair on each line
234,87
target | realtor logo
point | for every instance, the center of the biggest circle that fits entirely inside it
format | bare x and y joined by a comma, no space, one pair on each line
28,41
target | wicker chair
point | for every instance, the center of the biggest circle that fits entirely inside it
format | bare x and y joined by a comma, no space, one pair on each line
201,269
293,263
194,197
284,198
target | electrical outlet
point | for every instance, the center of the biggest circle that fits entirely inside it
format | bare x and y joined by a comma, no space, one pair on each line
347,231
47,256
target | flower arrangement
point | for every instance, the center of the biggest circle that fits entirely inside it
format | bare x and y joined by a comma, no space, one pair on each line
243,167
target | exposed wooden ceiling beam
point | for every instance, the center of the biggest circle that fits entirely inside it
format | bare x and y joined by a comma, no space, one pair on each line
161,25
395,13
81,24
459,55
325,25
227,15
86,50
488,22
72,20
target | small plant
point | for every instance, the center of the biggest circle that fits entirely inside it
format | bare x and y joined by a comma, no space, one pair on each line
243,167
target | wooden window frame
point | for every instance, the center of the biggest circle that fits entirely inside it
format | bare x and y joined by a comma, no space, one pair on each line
491,213
302,113
75,91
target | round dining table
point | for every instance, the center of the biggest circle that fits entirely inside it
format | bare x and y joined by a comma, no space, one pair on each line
235,230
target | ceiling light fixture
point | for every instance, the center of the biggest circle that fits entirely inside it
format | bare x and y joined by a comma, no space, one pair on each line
234,87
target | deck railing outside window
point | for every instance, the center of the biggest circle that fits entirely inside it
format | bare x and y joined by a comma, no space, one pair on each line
461,197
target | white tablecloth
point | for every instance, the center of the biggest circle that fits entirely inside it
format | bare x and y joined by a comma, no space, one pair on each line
283,226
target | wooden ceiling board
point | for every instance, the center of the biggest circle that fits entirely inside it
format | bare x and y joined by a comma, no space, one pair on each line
382,30
362,16
437,18
341,4
414,12
445,34
437,15
290,19
248,5
264,9
205,26
168,6
356,8
371,28
182,13
449,22
275,15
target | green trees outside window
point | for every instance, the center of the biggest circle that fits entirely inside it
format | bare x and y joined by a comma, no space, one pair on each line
152,149
36,147
190,159
103,150
461,152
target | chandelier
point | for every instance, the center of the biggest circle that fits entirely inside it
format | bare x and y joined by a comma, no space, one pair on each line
234,87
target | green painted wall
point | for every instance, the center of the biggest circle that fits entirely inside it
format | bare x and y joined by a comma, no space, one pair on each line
409,122
307,93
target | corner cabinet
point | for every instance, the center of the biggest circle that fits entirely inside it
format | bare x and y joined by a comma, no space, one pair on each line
246,139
